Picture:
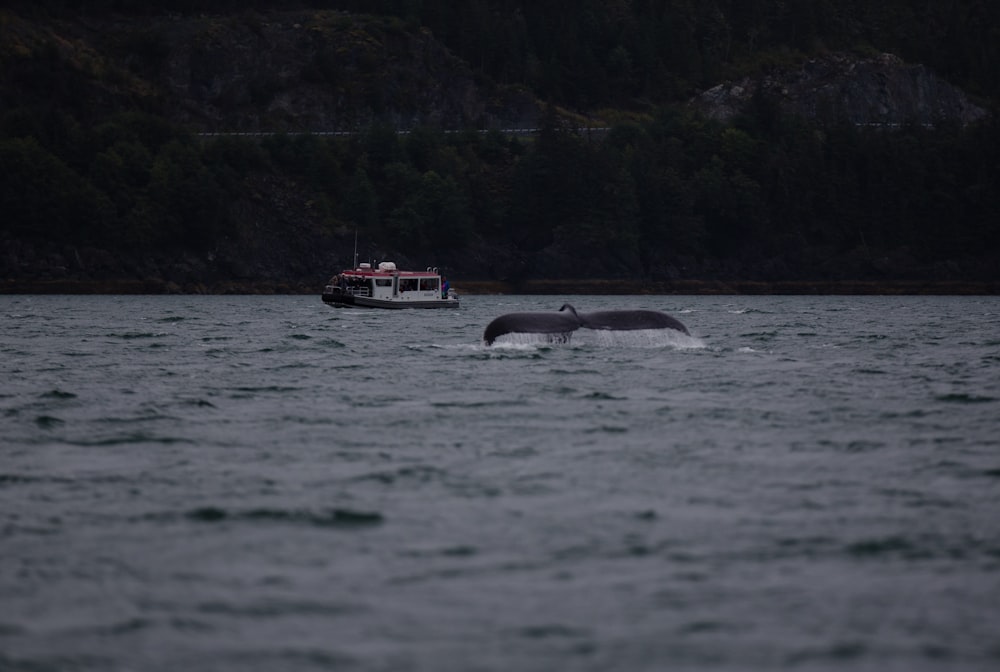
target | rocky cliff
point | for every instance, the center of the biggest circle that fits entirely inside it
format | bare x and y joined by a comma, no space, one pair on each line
320,71
288,71
865,91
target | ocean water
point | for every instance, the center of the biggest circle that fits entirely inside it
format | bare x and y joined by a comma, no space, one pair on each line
219,483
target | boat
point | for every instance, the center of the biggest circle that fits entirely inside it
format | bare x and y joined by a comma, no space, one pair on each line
385,286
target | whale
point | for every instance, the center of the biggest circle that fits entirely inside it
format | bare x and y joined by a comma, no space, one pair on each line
560,325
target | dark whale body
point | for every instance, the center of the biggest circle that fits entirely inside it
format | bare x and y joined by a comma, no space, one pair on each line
567,320
531,323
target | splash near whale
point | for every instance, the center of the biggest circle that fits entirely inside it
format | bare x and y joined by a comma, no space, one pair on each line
561,325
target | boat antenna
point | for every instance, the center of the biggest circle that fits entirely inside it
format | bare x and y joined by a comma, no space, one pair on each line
355,247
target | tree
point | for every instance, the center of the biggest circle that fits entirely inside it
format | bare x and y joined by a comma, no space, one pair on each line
43,199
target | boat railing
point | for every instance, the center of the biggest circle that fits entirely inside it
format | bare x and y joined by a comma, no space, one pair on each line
352,291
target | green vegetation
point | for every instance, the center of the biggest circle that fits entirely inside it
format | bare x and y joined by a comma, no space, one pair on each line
766,196
778,198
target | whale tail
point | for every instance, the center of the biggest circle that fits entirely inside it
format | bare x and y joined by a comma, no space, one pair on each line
568,307
560,323
631,320
568,320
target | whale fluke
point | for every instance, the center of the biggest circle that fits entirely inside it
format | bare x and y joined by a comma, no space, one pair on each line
532,323
568,320
623,320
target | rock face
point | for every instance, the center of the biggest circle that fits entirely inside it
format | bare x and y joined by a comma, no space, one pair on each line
322,71
878,91
277,71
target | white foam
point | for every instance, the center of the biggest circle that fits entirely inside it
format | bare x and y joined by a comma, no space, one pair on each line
610,338
639,338
529,341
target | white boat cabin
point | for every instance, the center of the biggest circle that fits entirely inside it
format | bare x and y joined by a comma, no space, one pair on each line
388,287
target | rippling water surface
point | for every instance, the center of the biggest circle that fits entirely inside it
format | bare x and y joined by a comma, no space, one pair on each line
265,483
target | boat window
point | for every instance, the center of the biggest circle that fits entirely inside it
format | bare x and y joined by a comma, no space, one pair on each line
383,282
407,284
429,284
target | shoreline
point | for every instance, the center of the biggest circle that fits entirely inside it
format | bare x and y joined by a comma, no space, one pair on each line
530,287
737,287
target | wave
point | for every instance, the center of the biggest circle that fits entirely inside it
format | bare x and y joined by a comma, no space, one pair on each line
48,421
130,438
57,394
962,398
137,335
336,518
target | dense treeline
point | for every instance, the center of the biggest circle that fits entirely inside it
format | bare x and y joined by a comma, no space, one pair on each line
767,197
668,195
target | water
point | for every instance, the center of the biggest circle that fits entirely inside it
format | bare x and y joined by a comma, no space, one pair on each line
265,483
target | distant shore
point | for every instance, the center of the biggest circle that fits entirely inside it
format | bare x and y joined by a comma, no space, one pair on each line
546,287
697,287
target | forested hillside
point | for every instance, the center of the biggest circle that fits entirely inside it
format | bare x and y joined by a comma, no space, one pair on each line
106,178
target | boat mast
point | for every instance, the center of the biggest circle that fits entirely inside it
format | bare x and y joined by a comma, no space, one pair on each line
355,247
